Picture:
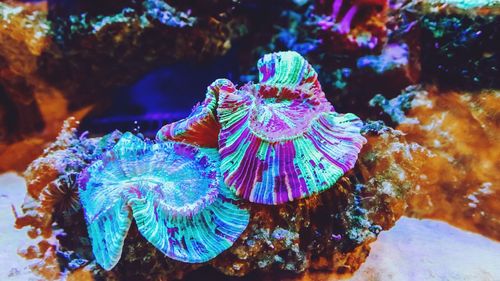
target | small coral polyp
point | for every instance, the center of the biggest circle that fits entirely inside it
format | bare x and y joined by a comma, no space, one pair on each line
280,139
173,191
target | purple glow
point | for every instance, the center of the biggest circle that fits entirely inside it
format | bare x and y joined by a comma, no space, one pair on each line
345,24
336,8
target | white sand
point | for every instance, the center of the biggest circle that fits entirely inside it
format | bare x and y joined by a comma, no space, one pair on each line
12,266
430,250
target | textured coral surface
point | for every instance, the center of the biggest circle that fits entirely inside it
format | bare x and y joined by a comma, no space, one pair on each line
295,144
201,126
458,53
174,192
352,25
458,179
280,139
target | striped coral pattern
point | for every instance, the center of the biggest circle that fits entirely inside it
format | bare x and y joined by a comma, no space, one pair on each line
201,126
174,192
288,69
280,140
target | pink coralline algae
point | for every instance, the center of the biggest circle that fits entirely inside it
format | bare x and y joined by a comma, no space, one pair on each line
173,191
279,140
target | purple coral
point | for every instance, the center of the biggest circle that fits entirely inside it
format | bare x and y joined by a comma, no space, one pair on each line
281,139
341,20
345,23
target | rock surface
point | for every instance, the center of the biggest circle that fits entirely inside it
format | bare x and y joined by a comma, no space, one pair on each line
459,132
70,59
330,231
457,43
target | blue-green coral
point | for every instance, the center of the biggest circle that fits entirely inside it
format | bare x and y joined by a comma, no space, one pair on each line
173,191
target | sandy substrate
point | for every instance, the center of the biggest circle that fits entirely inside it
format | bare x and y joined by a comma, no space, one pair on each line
430,250
412,250
12,266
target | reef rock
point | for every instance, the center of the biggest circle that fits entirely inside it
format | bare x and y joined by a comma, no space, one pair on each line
89,50
21,42
459,181
457,43
78,53
330,231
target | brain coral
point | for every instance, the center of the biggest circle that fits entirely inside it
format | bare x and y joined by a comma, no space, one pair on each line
175,193
280,139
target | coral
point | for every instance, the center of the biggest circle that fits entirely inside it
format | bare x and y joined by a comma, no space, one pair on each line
201,126
294,144
457,48
330,231
352,26
51,178
329,183
52,208
175,193
349,74
286,112
462,5
396,66
392,57
396,107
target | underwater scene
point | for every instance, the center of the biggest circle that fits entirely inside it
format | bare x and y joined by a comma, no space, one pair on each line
241,140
